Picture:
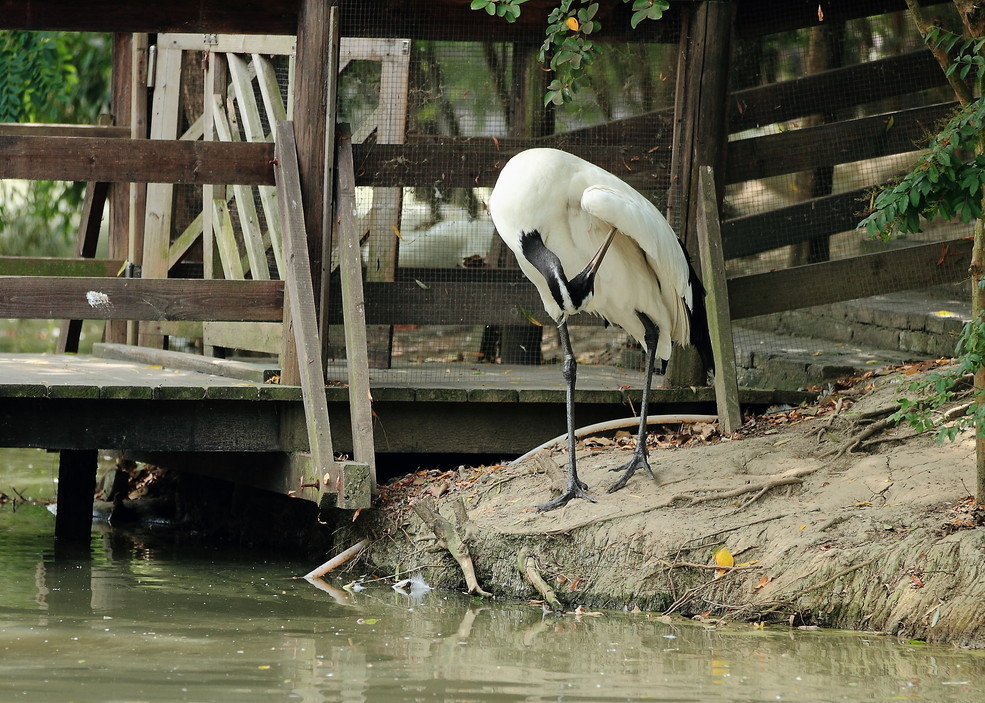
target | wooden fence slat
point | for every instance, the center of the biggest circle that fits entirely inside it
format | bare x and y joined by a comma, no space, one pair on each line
835,143
55,266
135,160
800,222
717,303
225,238
848,279
304,323
33,297
249,221
354,310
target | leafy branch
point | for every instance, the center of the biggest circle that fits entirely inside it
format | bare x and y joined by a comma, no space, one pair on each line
567,46
947,182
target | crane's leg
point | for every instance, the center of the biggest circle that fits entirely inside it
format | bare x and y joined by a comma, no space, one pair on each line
575,487
639,459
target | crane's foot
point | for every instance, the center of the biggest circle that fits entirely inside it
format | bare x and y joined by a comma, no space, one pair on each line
629,468
575,489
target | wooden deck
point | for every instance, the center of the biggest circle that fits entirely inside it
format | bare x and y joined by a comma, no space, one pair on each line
149,402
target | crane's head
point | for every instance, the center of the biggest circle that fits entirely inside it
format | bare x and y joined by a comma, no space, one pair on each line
581,288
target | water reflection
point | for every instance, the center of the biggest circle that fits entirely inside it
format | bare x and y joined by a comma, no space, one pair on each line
136,617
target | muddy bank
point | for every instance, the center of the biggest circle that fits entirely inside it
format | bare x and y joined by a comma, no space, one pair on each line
880,538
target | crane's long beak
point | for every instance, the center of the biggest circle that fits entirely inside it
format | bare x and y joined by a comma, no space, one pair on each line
596,261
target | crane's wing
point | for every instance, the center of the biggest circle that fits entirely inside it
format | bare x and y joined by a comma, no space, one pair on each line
636,217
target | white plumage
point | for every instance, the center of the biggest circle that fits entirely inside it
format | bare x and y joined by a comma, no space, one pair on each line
591,243
574,204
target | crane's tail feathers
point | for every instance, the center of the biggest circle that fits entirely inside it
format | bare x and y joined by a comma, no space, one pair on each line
700,336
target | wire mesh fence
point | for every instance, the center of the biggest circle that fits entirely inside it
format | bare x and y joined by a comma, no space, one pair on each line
818,116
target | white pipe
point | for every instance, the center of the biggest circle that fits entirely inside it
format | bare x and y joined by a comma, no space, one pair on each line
618,425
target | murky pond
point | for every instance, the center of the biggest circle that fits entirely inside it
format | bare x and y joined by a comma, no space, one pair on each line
139,616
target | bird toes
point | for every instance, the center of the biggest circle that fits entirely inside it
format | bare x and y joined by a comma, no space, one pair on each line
574,490
629,468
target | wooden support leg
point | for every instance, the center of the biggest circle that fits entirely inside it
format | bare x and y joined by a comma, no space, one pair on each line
76,486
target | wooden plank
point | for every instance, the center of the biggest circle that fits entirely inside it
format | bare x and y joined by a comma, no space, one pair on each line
255,336
249,221
225,237
836,143
817,217
717,303
314,34
135,160
33,297
53,266
227,368
226,43
160,195
29,129
328,247
121,98
354,311
475,162
848,279
276,112
85,248
835,89
300,293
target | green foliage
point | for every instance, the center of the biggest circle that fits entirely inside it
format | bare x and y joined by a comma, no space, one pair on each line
944,183
507,9
920,406
48,77
567,46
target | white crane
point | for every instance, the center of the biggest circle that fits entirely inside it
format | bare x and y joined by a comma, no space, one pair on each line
591,243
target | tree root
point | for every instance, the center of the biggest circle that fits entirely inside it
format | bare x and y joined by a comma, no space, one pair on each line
527,565
787,479
856,441
450,536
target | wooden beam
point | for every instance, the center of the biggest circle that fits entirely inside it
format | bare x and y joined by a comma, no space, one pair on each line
304,321
858,277
33,297
830,144
313,59
29,129
833,90
717,303
354,310
817,217
135,160
52,266
471,162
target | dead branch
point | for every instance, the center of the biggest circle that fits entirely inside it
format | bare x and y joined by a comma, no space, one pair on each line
450,538
527,565
338,560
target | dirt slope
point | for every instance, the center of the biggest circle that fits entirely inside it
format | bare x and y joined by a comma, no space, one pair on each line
881,538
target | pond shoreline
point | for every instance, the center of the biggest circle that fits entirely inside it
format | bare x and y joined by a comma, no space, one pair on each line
882,537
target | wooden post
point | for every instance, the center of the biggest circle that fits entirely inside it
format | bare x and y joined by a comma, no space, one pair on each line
139,67
85,248
328,193
310,112
300,298
115,331
719,321
354,310
700,136
76,487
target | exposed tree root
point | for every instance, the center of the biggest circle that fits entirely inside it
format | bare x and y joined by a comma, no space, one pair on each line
450,537
527,565
789,478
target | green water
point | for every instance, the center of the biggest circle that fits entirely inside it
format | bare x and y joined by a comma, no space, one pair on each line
144,616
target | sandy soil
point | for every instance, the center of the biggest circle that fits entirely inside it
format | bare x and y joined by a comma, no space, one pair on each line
883,537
